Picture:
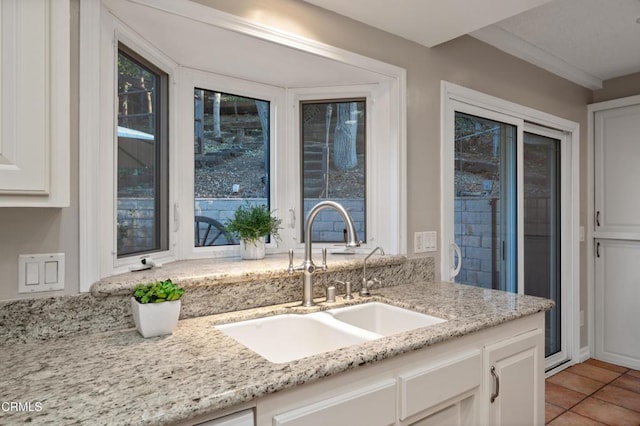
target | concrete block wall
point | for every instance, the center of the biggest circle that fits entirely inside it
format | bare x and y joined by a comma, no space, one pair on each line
474,233
135,218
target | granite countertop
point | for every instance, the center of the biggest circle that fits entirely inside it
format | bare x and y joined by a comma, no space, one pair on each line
196,273
118,377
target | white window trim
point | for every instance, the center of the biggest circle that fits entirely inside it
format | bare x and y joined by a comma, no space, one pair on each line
393,79
452,96
381,150
190,79
113,33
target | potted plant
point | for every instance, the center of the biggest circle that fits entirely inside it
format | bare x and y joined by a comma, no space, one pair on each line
251,224
156,307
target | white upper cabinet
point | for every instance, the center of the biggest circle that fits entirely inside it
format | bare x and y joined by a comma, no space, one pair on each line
617,171
34,107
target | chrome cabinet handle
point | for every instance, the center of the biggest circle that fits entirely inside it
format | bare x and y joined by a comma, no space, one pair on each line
496,381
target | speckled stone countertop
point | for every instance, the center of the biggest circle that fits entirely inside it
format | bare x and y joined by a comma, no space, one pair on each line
118,377
213,286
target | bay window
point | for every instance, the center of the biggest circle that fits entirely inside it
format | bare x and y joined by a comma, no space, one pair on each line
185,138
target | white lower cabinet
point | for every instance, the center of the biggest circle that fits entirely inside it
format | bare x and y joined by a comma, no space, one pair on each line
450,383
443,393
374,405
514,373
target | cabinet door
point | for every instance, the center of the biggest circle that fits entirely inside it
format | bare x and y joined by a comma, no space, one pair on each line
443,393
617,288
372,406
514,378
617,155
34,103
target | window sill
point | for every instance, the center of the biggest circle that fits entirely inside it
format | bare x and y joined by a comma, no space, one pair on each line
213,272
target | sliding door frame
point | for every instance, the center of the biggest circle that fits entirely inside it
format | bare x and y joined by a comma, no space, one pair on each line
457,98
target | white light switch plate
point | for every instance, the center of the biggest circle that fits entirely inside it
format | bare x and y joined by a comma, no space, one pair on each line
425,241
40,272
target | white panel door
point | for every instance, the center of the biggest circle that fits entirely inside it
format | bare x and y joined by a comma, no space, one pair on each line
617,172
617,302
617,231
514,373
24,144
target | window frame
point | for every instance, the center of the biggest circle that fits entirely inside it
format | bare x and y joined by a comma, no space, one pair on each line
115,34
301,160
382,196
161,154
189,80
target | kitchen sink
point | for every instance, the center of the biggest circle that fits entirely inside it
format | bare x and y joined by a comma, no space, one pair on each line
383,319
288,337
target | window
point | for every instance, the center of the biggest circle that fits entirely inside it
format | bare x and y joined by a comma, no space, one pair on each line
185,171
333,164
142,156
231,161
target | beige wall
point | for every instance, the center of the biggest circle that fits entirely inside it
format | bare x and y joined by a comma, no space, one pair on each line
620,87
464,61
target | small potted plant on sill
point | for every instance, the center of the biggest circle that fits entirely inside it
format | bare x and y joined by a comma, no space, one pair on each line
156,307
251,224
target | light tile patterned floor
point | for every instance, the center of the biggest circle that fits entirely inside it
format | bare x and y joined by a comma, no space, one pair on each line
593,393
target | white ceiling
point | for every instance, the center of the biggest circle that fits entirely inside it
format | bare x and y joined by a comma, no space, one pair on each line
585,41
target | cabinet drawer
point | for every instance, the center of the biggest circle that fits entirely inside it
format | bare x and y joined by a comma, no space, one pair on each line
371,406
425,388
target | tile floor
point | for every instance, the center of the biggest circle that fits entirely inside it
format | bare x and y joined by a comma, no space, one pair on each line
593,393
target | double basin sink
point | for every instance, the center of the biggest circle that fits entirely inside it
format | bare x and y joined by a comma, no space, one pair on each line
288,337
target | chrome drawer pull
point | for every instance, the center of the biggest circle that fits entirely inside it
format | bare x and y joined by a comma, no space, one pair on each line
496,380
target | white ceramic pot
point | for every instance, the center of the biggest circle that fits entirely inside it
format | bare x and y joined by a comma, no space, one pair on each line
155,319
252,250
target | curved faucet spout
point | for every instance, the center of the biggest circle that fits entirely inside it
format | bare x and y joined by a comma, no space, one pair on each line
352,237
364,290
308,266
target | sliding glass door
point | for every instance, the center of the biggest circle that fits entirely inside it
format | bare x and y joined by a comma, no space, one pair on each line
542,193
507,211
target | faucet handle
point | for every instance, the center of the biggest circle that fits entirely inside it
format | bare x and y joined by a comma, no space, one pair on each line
324,260
291,268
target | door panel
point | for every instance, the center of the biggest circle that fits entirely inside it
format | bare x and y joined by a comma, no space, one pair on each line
486,201
617,297
541,215
617,153
617,233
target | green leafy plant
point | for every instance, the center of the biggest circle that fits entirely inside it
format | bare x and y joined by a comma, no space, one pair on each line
250,222
160,291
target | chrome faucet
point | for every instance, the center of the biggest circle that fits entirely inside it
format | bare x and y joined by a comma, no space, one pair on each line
308,267
364,290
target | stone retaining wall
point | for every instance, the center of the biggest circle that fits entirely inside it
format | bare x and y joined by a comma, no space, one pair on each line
135,218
